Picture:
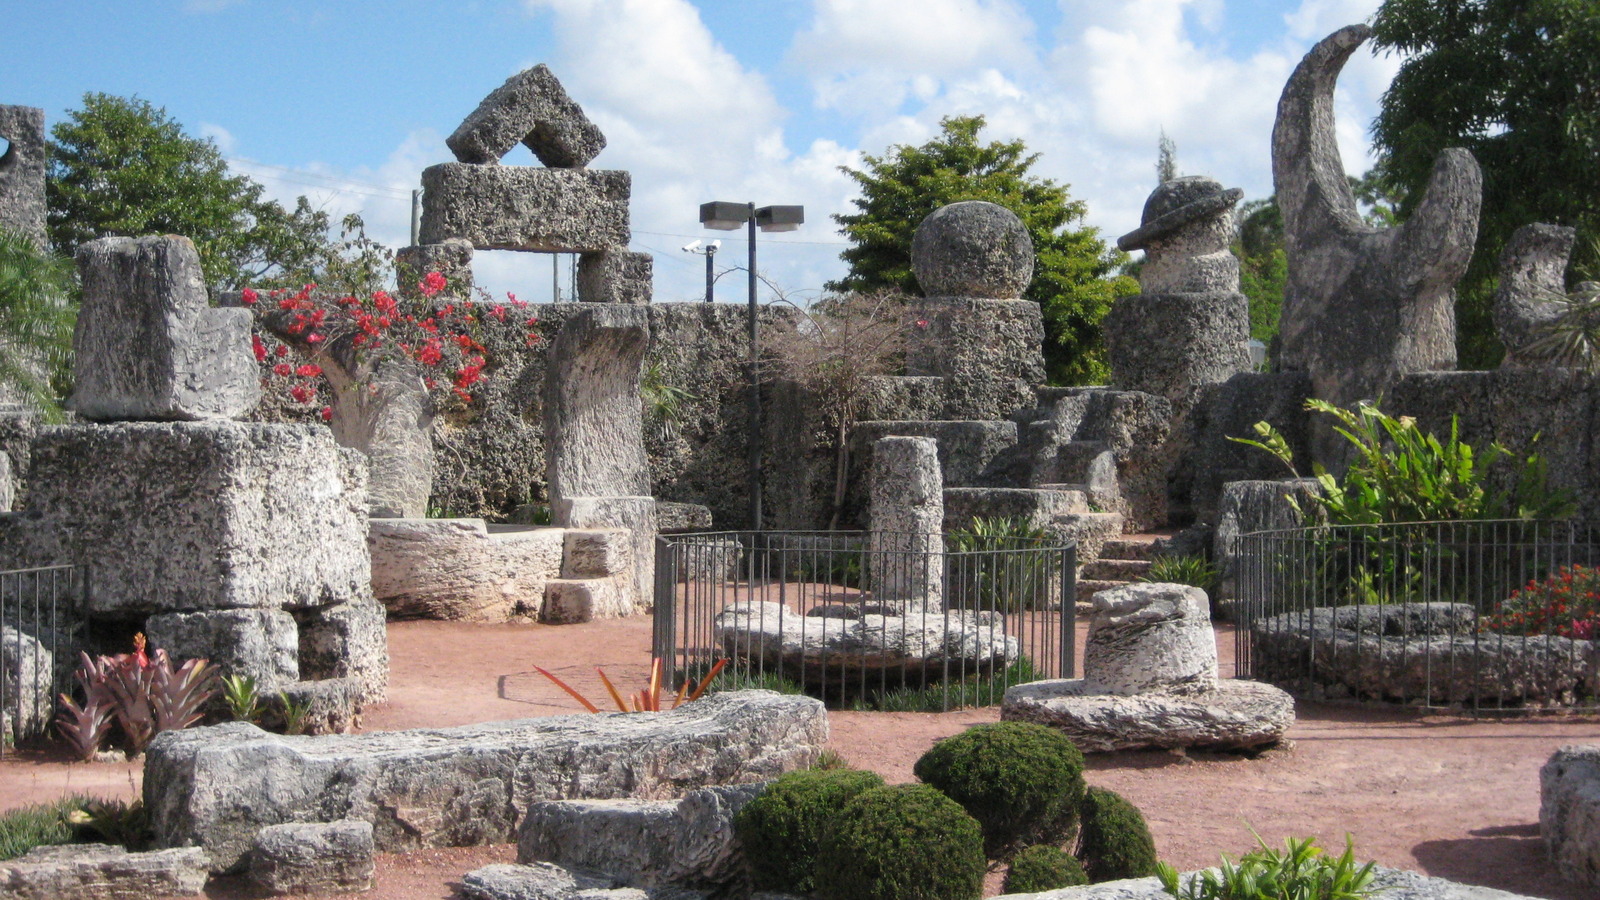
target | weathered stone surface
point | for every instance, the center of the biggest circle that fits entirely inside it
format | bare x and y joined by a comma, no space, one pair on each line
1569,812
349,641
988,352
597,553
1147,636
148,346
1173,345
313,857
1250,506
641,843
1185,232
637,516
1227,714
331,705
462,569
570,601
674,518
921,643
102,872
531,108
1134,426
261,643
1418,651
387,418
27,682
22,169
593,429
1390,884
216,787
906,539
972,249
1533,270
617,275
968,449
547,881
1363,306
452,259
8,484
202,515
1232,409
524,208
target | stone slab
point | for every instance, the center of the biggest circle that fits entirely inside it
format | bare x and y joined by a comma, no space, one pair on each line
522,208
103,872
460,570
263,644
617,275
1569,812
1228,715
1390,884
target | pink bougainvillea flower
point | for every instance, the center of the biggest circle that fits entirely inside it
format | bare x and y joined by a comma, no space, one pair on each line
258,348
308,370
249,297
283,370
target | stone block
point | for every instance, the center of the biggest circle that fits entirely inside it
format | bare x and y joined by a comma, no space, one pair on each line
906,537
1251,506
1173,345
531,108
988,352
27,684
216,787
548,881
22,173
148,345
331,705
968,450
461,569
1390,884
594,445
1229,714
637,516
617,275
8,484
641,843
261,643
678,518
203,515
349,641
569,601
102,871
599,553
1036,507
313,857
1232,409
452,259
523,208
1569,812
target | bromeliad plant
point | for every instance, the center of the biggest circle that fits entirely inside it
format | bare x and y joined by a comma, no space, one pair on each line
647,700
144,693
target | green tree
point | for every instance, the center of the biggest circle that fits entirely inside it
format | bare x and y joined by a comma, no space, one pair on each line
1074,278
36,319
1166,159
1517,82
122,166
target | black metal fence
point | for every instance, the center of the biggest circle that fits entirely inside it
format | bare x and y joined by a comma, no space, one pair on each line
884,622
39,631
1463,616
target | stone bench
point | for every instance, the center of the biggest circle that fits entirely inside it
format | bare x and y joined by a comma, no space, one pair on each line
217,787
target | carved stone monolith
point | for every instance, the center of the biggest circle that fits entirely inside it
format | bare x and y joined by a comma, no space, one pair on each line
1363,305
22,167
907,522
1533,270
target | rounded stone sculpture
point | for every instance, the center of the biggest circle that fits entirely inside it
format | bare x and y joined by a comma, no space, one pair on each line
972,249
1185,232
1149,636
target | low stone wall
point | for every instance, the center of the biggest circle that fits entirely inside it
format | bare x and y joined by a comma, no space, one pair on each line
216,787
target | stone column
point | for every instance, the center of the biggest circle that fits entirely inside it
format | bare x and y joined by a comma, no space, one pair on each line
1147,637
907,521
22,169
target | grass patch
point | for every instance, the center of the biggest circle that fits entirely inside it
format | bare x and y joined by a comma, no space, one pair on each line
974,690
40,825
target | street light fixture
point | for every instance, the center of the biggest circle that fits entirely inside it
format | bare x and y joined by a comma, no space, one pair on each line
709,251
723,216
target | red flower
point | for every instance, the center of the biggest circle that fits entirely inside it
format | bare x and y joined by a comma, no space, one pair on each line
431,284
303,393
258,348
283,370
249,297
327,414
308,371
281,351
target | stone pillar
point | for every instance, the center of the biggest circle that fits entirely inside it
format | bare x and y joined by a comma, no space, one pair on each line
1147,637
1533,273
451,258
907,523
22,168
389,418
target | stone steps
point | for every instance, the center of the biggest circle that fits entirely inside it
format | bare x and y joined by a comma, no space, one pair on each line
1122,559
1088,587
1130,547
1109,568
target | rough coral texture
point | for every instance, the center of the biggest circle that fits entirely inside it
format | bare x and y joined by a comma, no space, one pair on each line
618,275
531,108
907,538
22,174
102,872
1533,269
1569,812
462,569
525,208
972,249
313,858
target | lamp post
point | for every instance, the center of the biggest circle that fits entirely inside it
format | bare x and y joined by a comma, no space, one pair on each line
709,251
723,216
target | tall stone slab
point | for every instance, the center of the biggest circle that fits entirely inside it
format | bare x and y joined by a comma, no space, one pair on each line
22,168
148,346
594,444
531,108
1533,270
1363,305
907,523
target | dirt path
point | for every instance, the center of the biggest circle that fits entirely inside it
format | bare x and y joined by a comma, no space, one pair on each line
1458,798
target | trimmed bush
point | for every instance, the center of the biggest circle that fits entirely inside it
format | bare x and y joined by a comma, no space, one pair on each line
1043,867
781,828
1115,841
905,842
1022,782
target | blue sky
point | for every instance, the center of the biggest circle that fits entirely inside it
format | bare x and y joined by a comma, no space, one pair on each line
760,100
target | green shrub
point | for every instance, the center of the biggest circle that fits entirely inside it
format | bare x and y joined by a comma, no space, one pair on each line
1043,867
1301,872
905,842
983,576
1022,782
1190,570
782,827
1114,841
39,825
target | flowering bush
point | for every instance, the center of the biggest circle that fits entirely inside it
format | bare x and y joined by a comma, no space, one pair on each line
1566,603
360,333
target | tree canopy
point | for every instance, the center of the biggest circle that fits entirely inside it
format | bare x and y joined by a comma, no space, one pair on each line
122,166
1074,278
1517,82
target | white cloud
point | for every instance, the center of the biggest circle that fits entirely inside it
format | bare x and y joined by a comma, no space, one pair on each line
220,136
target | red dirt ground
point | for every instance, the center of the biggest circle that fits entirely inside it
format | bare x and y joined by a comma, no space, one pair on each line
1453,797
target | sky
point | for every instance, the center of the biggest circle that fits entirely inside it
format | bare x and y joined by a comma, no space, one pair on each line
745,100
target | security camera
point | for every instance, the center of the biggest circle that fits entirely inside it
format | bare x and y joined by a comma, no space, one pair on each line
692,246
714,246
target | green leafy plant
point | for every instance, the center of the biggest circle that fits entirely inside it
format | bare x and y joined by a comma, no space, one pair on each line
36,319
116,822
1402,474
978,689
242,697
663,402
1300,872
1114,841
1022,782
1572,338
781,828
296,713
647,700
904,842
1564,603
995,565
829,760
1192,570
38,825
1043,867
